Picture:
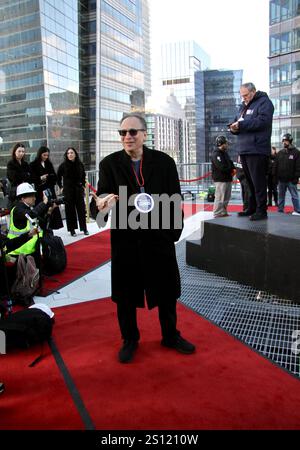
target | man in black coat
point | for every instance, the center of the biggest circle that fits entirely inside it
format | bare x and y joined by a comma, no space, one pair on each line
143,264
287,170
253,127
222,169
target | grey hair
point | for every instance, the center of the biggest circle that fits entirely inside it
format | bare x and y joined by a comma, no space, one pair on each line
249,86
137,116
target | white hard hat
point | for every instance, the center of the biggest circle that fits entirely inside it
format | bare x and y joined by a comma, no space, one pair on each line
25,188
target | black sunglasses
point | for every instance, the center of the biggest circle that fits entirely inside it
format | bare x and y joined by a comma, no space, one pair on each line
132,131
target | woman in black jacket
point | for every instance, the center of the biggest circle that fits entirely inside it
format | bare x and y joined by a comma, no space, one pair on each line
44,178
71,176
18,171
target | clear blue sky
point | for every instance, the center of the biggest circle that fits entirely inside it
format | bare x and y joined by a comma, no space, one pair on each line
235,33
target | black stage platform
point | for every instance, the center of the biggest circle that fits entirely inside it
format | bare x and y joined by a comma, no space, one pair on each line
263,254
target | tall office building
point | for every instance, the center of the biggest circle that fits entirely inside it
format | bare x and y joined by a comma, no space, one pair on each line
116,69
168,130
285,68
168,135
220,97
69,69
180,62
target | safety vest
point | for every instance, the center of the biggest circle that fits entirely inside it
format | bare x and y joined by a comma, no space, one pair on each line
29,247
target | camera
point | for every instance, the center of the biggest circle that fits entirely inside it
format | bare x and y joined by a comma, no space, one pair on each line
34,221
60,200
48,194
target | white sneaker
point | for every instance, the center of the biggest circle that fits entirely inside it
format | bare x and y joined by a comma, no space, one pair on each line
295,213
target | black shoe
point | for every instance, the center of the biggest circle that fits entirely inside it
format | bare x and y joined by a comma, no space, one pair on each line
2,388
221,215
181,345
73,233
245,213
258,216
126,353
86,233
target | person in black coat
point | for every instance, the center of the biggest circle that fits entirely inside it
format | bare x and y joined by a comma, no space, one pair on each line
71,176
287,169
222,169
18,171
44,178
143,262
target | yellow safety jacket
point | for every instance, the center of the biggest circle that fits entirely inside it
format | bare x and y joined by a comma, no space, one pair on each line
13,232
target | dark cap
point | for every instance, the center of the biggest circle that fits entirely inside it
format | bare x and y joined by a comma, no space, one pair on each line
220,140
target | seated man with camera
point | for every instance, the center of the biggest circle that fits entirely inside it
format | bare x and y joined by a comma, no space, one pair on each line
25,216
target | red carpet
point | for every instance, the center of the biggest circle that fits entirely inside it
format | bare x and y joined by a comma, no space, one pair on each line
35,398
225,385
89,253
83,256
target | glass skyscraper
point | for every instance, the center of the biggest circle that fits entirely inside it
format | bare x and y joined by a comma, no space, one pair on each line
69,69
220,97
285,68
116,69
180,61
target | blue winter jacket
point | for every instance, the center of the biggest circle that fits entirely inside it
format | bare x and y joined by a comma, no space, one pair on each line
254,135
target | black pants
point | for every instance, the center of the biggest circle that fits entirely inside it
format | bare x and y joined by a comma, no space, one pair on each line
255,168
75,208
245,193
128,321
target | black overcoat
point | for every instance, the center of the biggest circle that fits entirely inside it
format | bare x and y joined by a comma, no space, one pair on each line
71,175
37,170
17,173
143,263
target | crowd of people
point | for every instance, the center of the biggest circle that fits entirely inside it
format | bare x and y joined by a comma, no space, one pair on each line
265,176
40,173
33,208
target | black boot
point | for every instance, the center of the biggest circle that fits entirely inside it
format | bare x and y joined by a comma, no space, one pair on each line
180,344
247,212
127,351
259,216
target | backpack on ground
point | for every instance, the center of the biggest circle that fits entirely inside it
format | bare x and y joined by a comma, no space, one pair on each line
27,327
54,254
27,280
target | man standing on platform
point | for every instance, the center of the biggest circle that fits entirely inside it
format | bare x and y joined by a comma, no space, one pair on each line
253,127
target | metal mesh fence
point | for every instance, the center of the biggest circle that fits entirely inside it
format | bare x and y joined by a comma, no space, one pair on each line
259,319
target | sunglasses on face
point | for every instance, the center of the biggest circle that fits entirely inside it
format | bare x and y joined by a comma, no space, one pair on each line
132,132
